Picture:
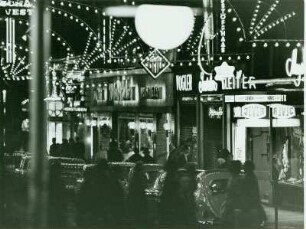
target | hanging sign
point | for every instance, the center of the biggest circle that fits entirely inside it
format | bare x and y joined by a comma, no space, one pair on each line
281,111
250,111
293,68
184,82
155,63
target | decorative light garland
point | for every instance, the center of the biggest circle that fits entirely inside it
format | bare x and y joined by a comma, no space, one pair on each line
254,17
266,16
273,24
81,22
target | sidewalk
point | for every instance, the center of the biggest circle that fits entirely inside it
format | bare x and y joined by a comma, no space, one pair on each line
286,219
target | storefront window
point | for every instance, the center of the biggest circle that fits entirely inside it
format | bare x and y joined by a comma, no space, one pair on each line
290,154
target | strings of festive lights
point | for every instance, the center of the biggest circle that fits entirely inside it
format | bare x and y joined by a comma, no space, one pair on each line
234,19
254,16
265,16
274,23
75,18
77,5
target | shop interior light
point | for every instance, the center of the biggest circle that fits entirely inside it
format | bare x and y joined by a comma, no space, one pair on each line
166,126
150,126
164,27
143,125
132,125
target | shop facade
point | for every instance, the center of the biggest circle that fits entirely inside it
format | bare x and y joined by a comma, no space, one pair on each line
132,109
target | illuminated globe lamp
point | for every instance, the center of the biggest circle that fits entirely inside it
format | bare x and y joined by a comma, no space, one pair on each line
164,27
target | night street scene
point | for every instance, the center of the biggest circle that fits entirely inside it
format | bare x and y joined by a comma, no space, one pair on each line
152,114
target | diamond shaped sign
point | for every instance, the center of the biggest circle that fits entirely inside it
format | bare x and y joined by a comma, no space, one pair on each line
155,63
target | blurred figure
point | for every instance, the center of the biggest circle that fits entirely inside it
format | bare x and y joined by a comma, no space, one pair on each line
134,156
64,148
114,154
186,209
184,156
168,203
253,214
101,198
137,201
79,148
54,148
223,158
56,197
233,202
147,159
72,148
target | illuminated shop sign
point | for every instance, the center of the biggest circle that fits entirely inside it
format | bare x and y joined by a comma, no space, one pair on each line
75,109
229,78
215,112
100,94
293,68
151,93
281,111
207,84
225,74
155,63
122,92
251,111
184,82
255,98
16,8
222,29
257,111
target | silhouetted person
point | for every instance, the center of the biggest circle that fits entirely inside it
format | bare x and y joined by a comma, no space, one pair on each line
79,148
54,148
254,214
184,156
223,159
135,157
147,159
72,152
97,197
64,148
114,154
233,202
137,201
168,201
186,206
56,196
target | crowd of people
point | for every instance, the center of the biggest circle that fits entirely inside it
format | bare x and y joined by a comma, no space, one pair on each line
105,201
72,148
128,154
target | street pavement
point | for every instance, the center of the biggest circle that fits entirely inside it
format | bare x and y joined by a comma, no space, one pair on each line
286,219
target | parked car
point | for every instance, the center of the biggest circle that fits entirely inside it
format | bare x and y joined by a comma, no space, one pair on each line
71,168
210,193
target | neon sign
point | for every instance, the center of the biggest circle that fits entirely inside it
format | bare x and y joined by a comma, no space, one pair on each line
295,69
184,82
250,111
215,113
222,29
281,111
207,85
16,8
